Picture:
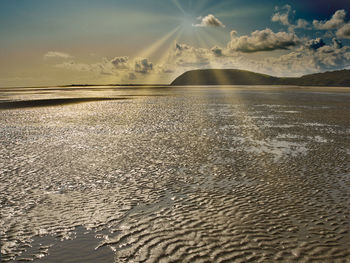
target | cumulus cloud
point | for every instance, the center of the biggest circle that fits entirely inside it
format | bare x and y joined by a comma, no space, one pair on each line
186,56
264,40
132,76
336,21
143,66
283,16
104,67
120,62
301,23
310,56
121,67
344,31
307,60
217,51
337,43
209,20
315,43
57,54
299,56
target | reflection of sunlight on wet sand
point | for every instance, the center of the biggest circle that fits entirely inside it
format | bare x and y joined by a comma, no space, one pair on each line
247,127
196,156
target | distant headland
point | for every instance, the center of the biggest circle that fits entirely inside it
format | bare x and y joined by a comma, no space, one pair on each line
339,78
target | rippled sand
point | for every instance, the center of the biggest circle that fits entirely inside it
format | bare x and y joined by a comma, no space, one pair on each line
197,174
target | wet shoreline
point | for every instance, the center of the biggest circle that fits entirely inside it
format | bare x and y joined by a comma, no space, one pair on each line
182,174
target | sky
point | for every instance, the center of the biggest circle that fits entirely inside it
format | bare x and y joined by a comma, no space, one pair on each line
49,42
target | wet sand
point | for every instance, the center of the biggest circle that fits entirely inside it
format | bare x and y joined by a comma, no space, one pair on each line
47,102
187,174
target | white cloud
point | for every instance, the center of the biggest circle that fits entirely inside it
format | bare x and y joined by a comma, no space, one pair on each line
306,60
186,56
336,21
311,57
104,67
284,14
122,67
57,54
264,40
297,56
344,31
301,23
283,18
210,20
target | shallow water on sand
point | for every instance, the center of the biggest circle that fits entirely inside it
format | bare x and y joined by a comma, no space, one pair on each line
187,174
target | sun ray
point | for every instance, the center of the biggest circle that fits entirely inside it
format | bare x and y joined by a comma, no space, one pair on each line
148,52
153,77
241,12
200,7
211,39
218,6
178,5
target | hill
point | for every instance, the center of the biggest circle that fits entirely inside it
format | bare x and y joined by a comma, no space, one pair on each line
243,77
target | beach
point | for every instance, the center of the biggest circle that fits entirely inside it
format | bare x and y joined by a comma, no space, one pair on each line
175,174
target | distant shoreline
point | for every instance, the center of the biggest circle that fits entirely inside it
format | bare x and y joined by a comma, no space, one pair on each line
340,78
49,102
87,85
221,77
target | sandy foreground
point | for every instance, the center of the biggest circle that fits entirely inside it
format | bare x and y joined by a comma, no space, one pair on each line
180,174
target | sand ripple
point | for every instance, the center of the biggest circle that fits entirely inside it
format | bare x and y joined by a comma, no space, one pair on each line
195,176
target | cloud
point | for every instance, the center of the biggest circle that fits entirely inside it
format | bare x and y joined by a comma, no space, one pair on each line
122,67
104,67
336,21
143,66
301,23
210,20
57,54
132,76
186,56
217,51
120,62
306,60
283,18
310,57
264,40
337,43
315,43
344,31
300,55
